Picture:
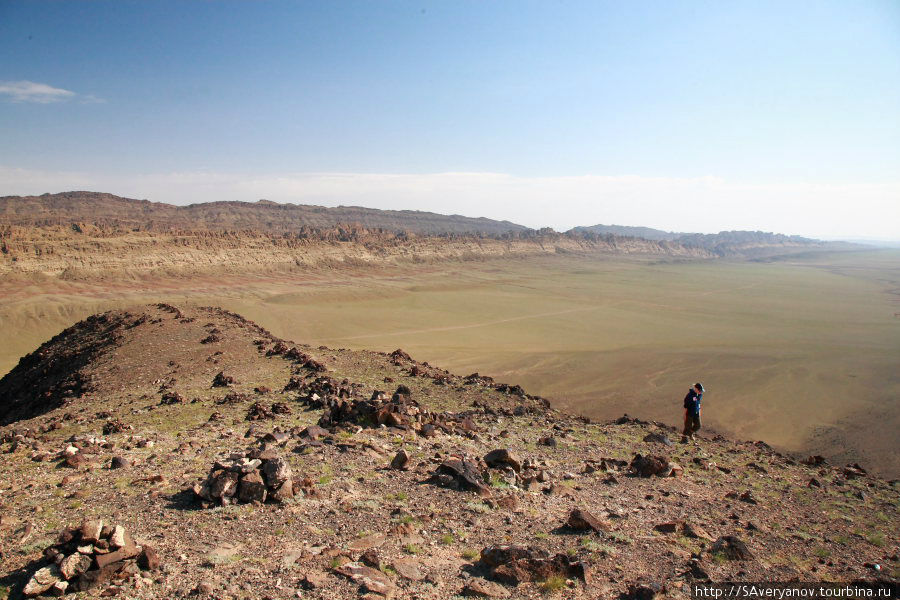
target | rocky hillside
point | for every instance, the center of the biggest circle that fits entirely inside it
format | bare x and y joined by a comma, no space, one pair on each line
175,452
113,212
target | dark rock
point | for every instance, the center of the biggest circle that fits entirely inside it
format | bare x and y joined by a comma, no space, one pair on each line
222,380
252,488
732,548
464,473
400,461
119,462
647,466
502,457
641,591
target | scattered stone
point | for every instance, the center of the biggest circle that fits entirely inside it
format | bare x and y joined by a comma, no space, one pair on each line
259,411
115,426
172,398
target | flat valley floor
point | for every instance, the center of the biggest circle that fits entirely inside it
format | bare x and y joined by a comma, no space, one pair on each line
802,352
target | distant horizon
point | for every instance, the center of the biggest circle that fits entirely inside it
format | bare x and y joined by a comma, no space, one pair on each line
850,239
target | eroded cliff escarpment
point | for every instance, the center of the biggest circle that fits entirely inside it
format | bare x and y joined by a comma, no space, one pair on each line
84,250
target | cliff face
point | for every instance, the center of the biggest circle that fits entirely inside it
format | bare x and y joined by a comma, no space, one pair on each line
86,251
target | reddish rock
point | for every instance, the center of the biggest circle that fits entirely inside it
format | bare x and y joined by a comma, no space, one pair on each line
582,520
480,588
400,461
252,488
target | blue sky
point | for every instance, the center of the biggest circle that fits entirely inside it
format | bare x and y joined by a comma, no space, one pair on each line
675,115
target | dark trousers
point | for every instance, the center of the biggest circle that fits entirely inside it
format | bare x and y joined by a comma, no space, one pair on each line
691,423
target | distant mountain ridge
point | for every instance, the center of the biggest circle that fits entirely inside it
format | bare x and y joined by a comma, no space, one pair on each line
747,244
648,233
265,216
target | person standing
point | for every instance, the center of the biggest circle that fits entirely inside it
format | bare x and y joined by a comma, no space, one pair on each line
692,411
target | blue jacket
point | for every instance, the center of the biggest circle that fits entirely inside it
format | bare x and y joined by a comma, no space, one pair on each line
692,401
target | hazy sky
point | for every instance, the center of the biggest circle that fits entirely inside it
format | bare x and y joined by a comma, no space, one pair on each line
691,116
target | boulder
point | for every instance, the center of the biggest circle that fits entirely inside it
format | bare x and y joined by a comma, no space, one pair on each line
368,578
481,588
463,474
277,472
409,568
90,531
74,565
648,466
401,460
501,458
252,488
582,520
42,580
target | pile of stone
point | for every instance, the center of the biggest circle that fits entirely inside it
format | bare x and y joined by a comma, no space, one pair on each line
513,565
399,411
80,449
89,556
115,426
233,397
222,380
171,397
315,393
255,476
293,353
259,411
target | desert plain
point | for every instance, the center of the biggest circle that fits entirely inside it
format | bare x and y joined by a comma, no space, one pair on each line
801,351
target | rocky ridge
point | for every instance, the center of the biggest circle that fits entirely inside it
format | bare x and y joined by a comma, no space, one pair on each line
255,467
